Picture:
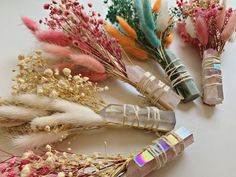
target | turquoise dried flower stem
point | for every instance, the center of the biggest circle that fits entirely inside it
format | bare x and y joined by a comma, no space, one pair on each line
147,13
147,24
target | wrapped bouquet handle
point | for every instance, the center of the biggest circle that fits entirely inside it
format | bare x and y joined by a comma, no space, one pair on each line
157,92
212,78
180,78
153,33
209,30
150,118
162,151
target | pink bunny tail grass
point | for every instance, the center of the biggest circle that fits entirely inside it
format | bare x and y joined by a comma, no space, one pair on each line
94,77
57,50
184,35
88,62
220,19
202,30
61,66
229,28
53,37
30,24
76,70
77,59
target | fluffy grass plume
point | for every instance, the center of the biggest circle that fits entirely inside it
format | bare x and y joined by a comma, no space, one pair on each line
127,28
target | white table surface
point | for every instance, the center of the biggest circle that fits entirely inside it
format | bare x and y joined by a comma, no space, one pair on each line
213,153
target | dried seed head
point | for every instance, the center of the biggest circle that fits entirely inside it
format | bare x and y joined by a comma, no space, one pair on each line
47,128
49,148
48,72
66,71
61,174
54,94
25,172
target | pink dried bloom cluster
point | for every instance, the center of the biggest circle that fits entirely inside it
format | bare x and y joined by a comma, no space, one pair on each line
73,31
207,24
54,163
85,30
58,44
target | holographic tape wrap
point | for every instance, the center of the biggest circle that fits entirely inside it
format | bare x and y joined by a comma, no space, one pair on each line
157,92
163,150
149,118
212,78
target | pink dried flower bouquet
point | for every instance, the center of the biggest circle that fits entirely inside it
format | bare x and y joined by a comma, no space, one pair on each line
208,25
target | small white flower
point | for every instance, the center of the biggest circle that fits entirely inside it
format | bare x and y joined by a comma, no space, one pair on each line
61,174
48,72
25,172
66,71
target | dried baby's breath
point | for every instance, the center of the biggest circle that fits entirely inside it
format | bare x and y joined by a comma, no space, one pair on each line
35,76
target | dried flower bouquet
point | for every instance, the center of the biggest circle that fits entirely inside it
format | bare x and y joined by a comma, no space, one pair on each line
207,25
145,32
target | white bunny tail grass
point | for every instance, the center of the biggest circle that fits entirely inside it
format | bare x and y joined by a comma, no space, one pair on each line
36,140
163,17
82,116
20,113
6,123
32,100
74,114
45,103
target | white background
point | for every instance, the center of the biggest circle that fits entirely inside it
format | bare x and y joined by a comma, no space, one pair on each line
213,153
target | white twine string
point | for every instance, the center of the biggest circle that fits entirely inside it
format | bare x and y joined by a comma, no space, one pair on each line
153,115
156,117
208,63
155,154
174,70
147,81
162,157
180,140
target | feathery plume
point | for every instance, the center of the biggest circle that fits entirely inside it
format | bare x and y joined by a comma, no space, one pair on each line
19,113
229,28
30,24
202,30
88,62
122,39
190,29
148,16
169,40
138,53
220,19
127,28
36,140
78,59
151,37
53,37
156,6
163,17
